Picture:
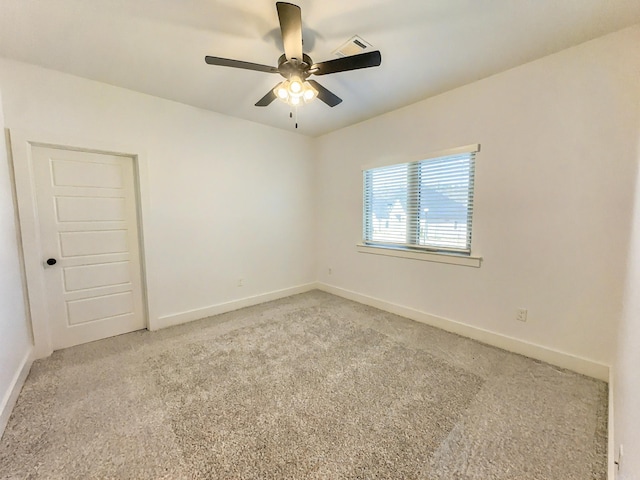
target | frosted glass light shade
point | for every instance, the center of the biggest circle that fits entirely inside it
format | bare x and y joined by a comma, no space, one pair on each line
309,92
281,91
294,91
295,85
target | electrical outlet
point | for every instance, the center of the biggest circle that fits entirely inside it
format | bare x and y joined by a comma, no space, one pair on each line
241,282
521,315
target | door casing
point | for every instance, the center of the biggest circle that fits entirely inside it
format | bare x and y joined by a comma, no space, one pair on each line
21,161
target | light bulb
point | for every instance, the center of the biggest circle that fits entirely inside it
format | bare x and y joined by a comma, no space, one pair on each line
294,100
281,90
282,93
309,92
296,85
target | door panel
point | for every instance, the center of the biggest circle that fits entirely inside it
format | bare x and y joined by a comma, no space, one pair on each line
87,209
86,174
96,275
87,214
73,244
99,308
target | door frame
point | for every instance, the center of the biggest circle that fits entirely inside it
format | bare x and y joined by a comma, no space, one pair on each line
31,253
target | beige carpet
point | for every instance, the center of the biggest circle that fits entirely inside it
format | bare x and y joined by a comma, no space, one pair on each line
312,386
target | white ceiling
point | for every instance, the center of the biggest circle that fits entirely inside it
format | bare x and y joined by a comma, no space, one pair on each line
428,46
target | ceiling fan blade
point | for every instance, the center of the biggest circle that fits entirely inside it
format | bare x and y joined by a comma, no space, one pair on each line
267,99
325,95
226,62
291,27
354,62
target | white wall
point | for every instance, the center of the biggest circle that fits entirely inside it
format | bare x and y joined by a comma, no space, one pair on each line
626,377
231,199
15,335
554,190
228,198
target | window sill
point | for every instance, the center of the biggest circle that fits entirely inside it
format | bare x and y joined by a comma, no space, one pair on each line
450,258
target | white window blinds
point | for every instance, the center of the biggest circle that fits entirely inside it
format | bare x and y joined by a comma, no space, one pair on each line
426,204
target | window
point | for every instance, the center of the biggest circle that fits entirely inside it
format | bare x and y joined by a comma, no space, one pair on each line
426,205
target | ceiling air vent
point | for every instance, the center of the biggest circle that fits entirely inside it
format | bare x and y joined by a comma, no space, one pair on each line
354,46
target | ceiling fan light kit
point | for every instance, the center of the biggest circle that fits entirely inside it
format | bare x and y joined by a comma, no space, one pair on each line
294,92
296,67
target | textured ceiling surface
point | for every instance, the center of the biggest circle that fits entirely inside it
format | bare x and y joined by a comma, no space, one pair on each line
428,47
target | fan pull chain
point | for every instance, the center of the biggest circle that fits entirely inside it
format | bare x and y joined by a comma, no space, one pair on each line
295,109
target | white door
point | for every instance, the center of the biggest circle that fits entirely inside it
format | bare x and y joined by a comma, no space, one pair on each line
87,213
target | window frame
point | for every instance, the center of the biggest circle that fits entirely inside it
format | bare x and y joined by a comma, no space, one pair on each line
413,250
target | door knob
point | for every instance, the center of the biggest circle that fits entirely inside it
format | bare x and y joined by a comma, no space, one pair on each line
51,261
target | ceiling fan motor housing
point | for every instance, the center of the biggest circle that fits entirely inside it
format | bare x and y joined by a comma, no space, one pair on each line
295,67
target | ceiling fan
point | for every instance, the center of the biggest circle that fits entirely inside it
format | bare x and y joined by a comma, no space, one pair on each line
296,66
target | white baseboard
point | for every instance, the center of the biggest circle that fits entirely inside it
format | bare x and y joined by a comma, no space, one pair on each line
554,357
10,398
197,314
612,468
